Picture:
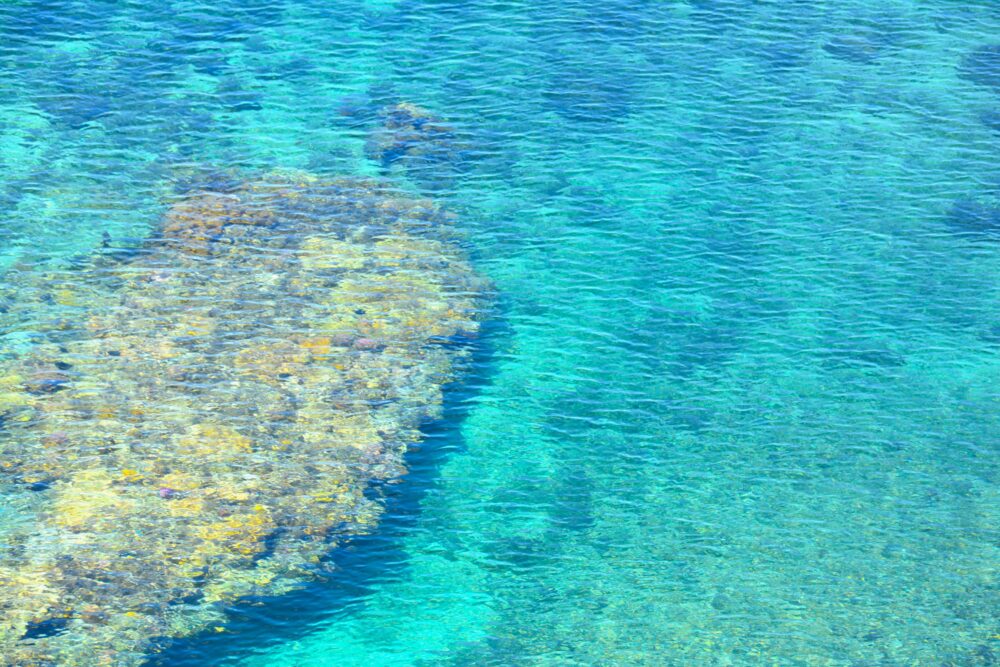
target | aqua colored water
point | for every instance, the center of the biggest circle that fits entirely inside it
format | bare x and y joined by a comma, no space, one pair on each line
739,401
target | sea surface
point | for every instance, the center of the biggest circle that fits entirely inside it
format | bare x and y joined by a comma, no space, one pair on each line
738,400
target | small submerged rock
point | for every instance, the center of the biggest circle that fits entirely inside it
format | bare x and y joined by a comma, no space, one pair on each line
408,130
357,107
367,344
425,144
46,381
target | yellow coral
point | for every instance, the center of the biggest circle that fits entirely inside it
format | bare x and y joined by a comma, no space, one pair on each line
32,593
271,361
10,400
12,394
406,249
241,533
194,325
179,481
212,441
87,498
320,253
186,507
318,346
67,297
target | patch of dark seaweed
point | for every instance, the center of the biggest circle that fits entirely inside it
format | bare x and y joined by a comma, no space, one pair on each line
971,217
982,66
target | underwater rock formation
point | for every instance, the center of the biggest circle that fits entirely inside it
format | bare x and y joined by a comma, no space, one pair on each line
413,136
859,47
991,119
869,37
589,95
968,216
982,66
206,421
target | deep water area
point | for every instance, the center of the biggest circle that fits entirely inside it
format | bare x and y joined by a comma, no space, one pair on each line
737,401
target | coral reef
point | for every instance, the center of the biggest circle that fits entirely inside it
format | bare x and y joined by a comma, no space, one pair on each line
204,421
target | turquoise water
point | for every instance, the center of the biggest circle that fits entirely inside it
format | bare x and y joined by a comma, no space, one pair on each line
738,401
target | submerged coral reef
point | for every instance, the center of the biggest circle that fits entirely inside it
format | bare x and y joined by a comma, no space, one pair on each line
205,422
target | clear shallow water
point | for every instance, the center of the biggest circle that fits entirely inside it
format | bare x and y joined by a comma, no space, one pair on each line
739,402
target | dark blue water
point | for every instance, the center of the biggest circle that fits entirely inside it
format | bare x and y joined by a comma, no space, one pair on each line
739,402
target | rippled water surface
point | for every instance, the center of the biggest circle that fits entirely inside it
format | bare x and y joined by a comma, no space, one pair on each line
738,398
